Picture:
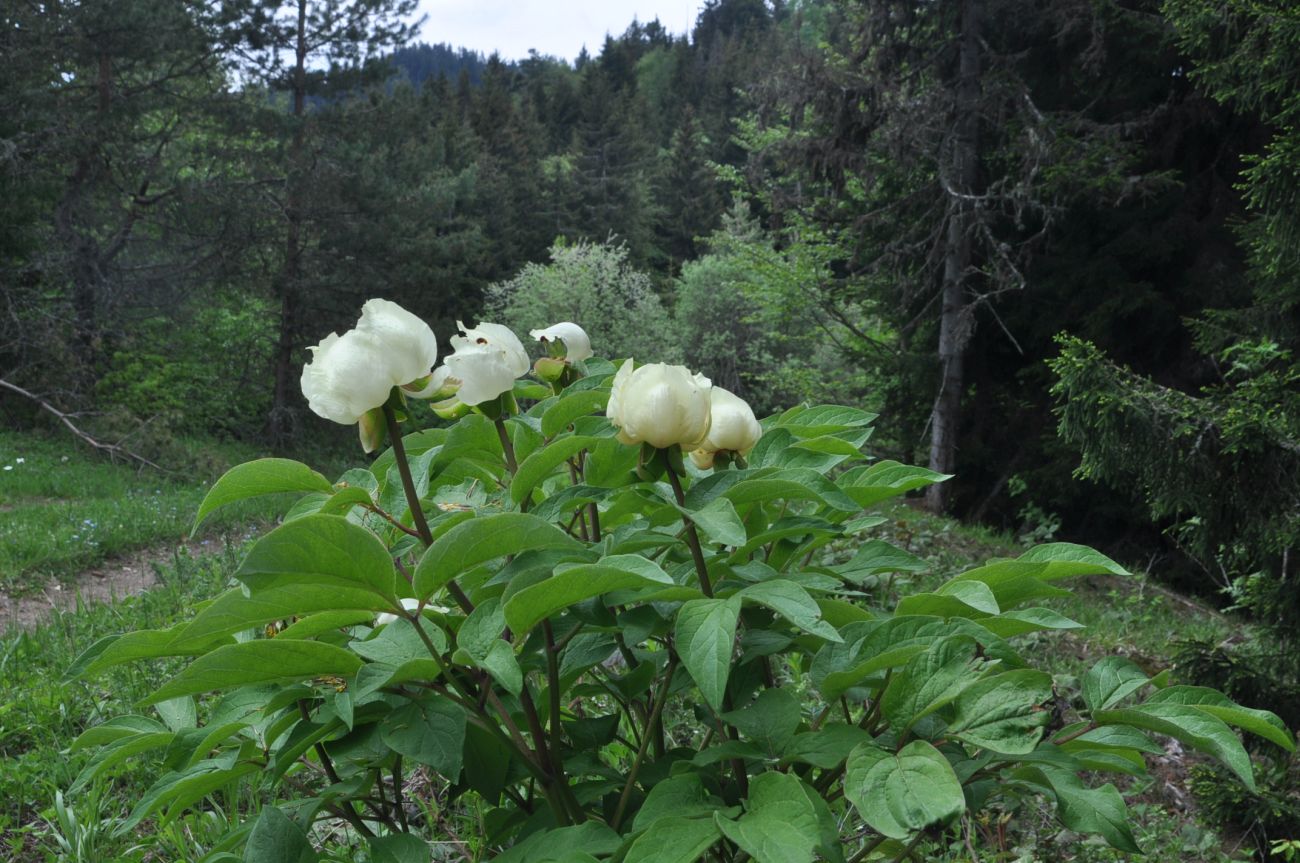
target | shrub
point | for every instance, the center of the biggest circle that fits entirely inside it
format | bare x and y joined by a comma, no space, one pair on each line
606,655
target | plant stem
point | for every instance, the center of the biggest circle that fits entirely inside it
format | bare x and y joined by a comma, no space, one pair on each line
692,537
507,448
645,742
408,483
553,683
867,849
413,501
327,764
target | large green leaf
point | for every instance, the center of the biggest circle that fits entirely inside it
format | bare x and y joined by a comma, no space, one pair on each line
719,523
481,539
1190,725
897,793
430,731
256,478
793,603
705,634
327,552
234,611
1003,712
823,420
780,825
929,681
870,485
127,647
1261,723
674,840
1110,681
770,720
276,660
1092,810
275,838
682,796
827,747
540,464
571,405
574,583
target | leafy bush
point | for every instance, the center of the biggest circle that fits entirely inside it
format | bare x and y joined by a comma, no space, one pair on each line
593,283
607,655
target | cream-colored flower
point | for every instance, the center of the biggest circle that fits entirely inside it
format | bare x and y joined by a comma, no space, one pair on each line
576,344
732,428
487,360
353,373
661,405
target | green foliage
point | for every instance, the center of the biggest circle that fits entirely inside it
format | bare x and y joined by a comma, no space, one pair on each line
546,632
596,284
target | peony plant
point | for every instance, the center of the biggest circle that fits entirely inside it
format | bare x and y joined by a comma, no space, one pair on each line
543,615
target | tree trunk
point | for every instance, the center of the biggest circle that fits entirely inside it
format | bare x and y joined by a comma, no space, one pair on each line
288,284
955,314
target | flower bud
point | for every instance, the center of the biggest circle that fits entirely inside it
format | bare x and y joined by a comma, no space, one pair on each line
661,405
487,360
351,374
732,428
576,345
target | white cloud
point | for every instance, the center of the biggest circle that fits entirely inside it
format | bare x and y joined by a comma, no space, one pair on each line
512,27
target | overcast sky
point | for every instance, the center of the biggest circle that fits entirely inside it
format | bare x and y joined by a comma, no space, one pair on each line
558,27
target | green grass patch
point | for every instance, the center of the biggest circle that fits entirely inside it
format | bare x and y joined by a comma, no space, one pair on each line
63,509
41,715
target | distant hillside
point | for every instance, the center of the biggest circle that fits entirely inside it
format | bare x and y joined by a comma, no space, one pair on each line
422,61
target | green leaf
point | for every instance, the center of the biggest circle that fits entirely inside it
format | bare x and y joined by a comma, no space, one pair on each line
256,478
327,552
705,634
480,638
674,840
481,539
179,789
234,611
898,793
1012,623
823,420
1261,723
116,649
877,557
1003,712
560,843
400,848
870,485
1092,810
1110,681
540,464
929,681
770,721
681,796
263,661
793,603
275,838
780,825
571,405
430,731
1190,725
719,523
574,583
827,747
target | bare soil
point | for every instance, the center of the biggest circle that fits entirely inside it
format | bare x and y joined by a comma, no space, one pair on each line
107,582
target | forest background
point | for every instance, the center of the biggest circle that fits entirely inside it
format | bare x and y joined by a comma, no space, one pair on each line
1053,244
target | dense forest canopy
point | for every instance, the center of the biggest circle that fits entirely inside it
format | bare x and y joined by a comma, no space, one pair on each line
892,205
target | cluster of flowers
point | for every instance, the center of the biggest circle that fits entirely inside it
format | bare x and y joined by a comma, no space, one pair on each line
350,377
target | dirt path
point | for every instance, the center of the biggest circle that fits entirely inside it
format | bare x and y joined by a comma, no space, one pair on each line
107,582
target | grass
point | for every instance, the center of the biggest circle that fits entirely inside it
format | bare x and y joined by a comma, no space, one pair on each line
40,715
63,510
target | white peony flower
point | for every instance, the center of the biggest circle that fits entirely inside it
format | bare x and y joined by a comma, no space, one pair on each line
353,373
732,428
577,345
487,360
661,405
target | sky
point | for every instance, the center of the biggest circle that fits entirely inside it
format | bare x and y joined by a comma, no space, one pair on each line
557,27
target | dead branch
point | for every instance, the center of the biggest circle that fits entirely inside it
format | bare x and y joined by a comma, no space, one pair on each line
112,450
